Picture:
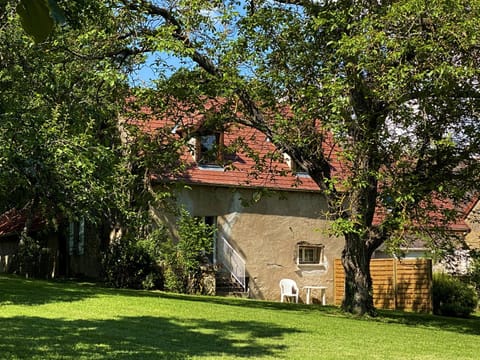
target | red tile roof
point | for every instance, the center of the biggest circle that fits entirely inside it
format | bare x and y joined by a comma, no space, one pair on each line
240,170
13,222
243,171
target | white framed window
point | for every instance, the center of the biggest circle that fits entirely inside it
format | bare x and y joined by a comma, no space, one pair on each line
310,254
208,148
294,166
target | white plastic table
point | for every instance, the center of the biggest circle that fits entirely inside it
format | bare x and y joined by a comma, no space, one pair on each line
309,289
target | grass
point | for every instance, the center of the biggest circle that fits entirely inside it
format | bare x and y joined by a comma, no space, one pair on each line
64,320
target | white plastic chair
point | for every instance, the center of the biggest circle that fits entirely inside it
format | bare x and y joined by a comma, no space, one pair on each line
288,288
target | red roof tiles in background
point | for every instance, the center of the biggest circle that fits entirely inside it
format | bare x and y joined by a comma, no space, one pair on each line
13,222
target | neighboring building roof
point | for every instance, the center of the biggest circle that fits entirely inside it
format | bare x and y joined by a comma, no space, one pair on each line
13,222
461,209
436,215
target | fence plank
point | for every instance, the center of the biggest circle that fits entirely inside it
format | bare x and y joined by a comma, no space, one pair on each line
397,284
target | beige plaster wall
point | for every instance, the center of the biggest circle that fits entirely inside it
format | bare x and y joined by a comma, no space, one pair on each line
473,221
266,232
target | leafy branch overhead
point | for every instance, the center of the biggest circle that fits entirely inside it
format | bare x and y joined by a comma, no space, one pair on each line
394,84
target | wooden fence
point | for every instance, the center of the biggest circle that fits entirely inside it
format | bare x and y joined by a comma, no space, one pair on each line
397,284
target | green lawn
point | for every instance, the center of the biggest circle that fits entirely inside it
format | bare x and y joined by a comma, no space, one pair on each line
63,320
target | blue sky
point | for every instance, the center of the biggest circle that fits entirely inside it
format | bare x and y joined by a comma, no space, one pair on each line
150,71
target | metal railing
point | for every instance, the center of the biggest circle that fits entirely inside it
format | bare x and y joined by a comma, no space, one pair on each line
232,261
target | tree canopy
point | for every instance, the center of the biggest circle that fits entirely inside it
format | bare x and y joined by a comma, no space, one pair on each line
59,108
66,150
395,82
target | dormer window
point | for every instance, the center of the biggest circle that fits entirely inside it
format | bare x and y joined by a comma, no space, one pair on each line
293,165
209,149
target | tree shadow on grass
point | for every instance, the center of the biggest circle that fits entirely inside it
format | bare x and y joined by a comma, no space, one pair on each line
233,301
457,325
138,338
21,291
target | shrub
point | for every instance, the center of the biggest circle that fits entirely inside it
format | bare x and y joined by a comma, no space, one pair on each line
128,263
182,258
28,255
33,258
452,297
474,273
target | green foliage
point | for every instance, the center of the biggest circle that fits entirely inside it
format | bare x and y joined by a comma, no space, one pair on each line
182,257
59,106
33,258
29,252
395,83
474,271
133,264
63,139
36,19
452,297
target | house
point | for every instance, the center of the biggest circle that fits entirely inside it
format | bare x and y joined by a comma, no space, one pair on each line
455,242
461,231
270,217
269,227
12,223
472,220
71,249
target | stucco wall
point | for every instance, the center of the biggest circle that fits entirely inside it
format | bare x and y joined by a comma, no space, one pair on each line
266,233
473,221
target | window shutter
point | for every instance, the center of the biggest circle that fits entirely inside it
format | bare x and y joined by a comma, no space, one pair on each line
81,237
71,237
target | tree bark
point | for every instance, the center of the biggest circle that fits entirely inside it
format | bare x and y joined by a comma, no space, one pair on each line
358,297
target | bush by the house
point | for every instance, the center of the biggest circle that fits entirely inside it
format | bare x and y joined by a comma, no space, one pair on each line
129,263
182,258
452,297
474,273
160,262
33,258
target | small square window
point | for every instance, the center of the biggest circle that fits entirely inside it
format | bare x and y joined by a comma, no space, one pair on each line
309,254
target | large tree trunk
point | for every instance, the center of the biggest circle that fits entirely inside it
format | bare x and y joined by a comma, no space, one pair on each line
358,298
